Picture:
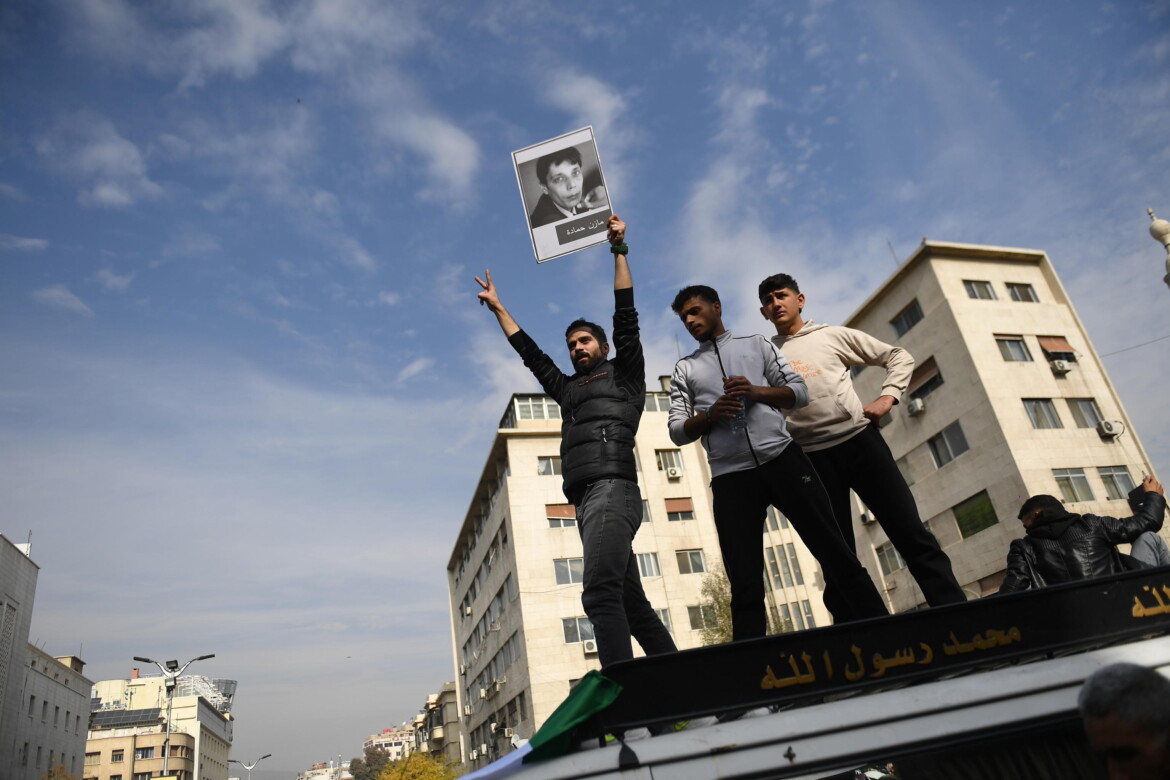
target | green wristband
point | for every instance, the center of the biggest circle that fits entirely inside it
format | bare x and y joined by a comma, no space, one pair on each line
619,249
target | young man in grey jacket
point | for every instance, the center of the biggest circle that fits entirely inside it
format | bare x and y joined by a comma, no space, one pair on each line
841,436
729,393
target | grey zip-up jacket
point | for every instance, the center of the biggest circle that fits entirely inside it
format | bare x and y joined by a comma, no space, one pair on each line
697,384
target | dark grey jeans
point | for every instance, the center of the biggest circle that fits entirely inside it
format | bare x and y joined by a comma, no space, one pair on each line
608,516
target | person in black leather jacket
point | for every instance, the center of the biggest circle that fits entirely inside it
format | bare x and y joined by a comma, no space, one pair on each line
601,406
1059,546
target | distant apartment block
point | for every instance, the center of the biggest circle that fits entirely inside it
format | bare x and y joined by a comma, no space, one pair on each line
128,728
398,743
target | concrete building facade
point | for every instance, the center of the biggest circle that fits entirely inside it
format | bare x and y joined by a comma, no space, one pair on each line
55,697
1009,399
128,728
398,743
18,587
520,636
438,734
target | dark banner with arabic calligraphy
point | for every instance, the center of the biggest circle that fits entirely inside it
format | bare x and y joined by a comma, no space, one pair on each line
585,226
889,652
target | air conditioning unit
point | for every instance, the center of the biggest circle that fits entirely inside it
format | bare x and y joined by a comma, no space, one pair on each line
673,472
474,755
867,519
1109,429
483,749
467,710
1060,367
483,693
508,733
462,670
467,611
915,407
590,646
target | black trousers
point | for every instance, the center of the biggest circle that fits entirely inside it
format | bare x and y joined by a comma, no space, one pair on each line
865,464
789,483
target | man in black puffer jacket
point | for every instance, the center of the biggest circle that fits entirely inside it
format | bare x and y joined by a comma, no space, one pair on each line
601,406
1061,547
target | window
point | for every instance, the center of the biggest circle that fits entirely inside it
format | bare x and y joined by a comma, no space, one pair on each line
1022,292
690,561
806,609
44,712
56,716
648,565
975,514
680,509
1042,413
664,616
1013,348
1073,484
888,558
1117,481
948,444
142,776
776,519
907,318
904,468
668,459
117,756
658,402
645,511
702,616
773,562
32,701
577,629
925,379
537,407
980,290
1085,412
790,548
1057,348
568,570
144,752
548,465
561,515
93,758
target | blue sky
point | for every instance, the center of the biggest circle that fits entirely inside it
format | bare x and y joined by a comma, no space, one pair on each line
246,389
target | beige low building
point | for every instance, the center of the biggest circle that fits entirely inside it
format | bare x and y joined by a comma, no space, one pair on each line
397,742
519,633
128,728
1009,399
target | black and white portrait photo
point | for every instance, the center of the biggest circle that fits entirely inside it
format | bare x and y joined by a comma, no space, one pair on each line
564,195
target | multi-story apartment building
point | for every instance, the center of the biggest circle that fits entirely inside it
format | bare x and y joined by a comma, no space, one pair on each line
56,700
520,635
44,701
1008,399
439,732
18,587
398,743
128,728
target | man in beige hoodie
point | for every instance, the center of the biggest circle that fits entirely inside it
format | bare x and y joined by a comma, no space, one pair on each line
841,437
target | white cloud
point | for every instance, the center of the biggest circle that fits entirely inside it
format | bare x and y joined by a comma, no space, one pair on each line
388,298
59,296
89,148
12,192
190,245
414,368
450,154
10,243
112,281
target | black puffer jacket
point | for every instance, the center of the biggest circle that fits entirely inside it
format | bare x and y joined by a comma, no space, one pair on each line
600,409
1062,547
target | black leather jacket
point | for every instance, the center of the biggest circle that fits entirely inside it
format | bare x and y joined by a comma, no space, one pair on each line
1061,547
600,409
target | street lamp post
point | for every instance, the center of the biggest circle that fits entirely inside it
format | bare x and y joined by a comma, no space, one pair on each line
1160,232
249,766
171,670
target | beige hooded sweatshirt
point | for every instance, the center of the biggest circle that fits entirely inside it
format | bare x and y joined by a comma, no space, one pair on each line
823,355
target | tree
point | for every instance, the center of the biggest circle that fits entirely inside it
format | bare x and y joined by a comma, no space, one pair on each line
59,773
370,767
420,766
715,593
